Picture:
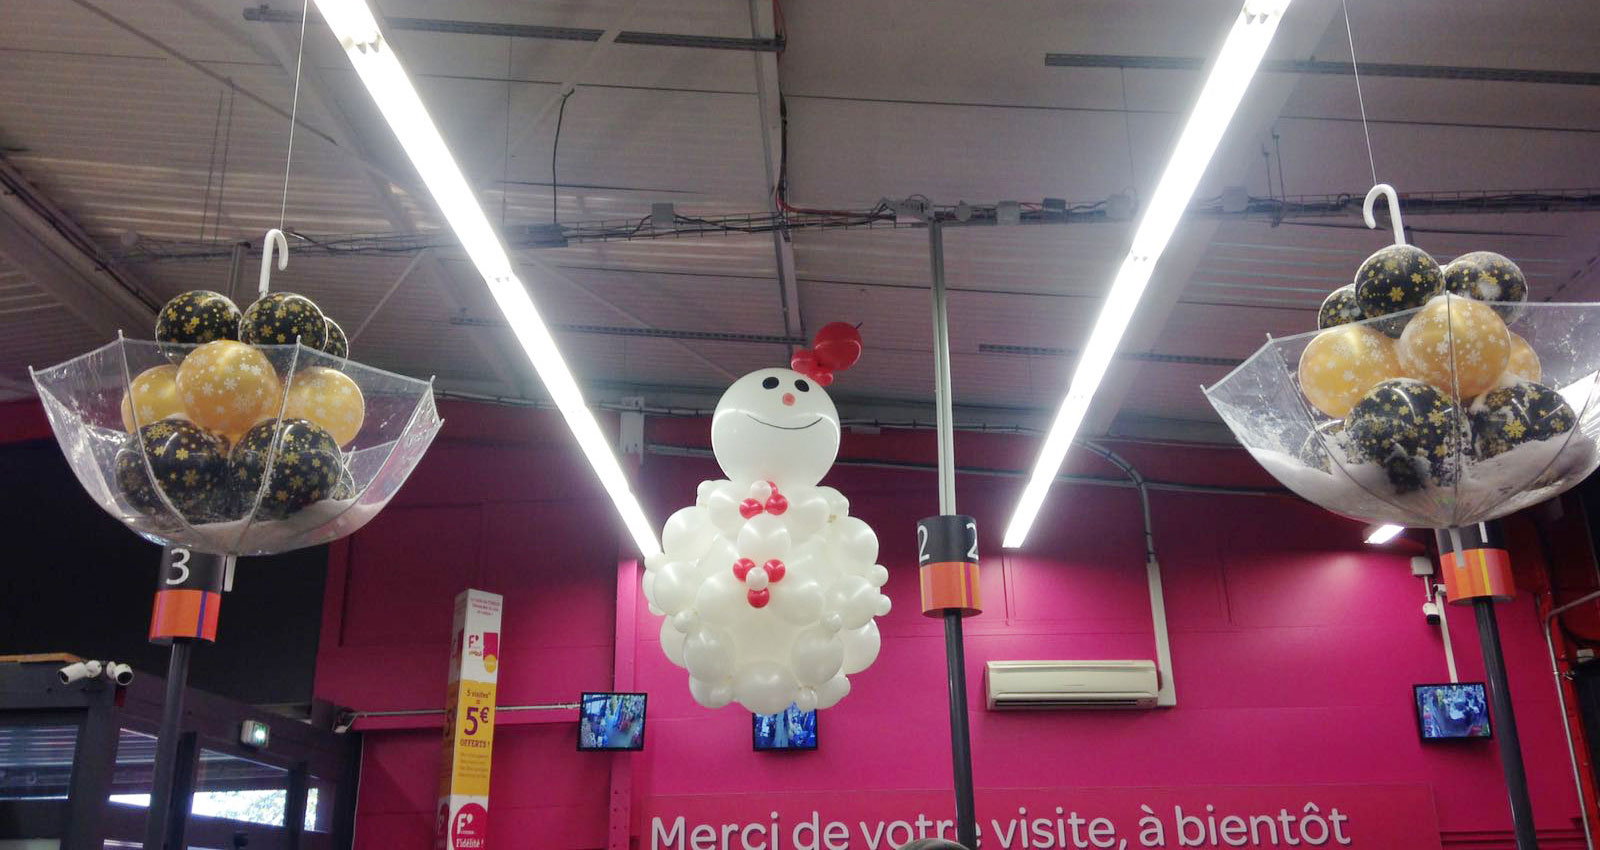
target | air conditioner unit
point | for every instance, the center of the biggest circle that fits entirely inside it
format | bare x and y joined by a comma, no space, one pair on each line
1071,684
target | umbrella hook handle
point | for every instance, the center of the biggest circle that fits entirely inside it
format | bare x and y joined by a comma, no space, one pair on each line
1394,210
276,237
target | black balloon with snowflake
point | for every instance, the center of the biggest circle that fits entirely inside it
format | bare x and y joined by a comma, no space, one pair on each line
189,464
1396,278
1487,276
1510,416
1339,308
280,318
195,318
1410,429
304,467
337,343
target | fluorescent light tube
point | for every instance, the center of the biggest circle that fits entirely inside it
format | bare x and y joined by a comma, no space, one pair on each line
375,62
1384,533
1231,74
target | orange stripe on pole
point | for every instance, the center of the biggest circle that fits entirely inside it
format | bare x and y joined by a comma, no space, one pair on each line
185,613
950,585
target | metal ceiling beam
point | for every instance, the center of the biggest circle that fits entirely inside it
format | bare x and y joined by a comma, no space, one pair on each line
500,30
1311,66
769,103
56,255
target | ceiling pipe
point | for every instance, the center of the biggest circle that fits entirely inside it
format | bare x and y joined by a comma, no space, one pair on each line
265,14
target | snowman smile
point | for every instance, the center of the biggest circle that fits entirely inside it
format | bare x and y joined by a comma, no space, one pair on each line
785,427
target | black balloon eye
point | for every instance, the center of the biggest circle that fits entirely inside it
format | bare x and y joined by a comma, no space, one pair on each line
770,384
802,386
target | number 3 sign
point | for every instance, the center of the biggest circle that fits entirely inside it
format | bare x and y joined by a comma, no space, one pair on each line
188,595
947,553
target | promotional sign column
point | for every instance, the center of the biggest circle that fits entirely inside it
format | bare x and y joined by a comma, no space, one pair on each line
469,723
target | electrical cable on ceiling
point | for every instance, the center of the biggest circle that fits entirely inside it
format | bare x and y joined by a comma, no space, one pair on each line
211,169
294,111
222,177
1356,72
505,158
1272,210
555,147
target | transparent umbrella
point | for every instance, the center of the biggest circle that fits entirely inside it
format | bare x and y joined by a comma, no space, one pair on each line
232,449
1421,454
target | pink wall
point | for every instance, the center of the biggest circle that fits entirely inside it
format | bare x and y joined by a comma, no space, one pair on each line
1294,645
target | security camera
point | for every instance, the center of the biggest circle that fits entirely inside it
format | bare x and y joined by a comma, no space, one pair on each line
1430,610
120,673
80,670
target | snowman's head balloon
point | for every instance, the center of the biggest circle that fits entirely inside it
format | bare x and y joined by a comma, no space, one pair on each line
775,425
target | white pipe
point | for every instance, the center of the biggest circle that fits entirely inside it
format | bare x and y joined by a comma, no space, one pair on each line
1166,693
1561,697
1444,630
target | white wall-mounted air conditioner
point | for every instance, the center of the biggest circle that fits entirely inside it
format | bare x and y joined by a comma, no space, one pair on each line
1071,684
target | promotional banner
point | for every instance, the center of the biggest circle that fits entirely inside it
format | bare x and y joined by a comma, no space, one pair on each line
469,723
1368,817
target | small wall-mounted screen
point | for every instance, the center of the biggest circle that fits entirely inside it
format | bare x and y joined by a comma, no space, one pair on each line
1450,711
611,721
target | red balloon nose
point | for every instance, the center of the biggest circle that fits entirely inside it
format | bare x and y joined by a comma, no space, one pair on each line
788,398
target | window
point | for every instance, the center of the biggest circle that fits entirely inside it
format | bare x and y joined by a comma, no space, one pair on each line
36,761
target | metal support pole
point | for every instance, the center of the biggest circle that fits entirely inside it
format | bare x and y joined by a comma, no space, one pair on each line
158,822
1504,718
1561,698
954,648
1505,733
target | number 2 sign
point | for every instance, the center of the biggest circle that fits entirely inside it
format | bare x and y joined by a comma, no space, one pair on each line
947,555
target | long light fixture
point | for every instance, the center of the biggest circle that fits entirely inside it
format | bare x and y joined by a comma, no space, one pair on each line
1384,533
375,62
1231,74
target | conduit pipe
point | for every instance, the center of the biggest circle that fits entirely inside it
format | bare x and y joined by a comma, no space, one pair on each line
1561,697
1166,694
1443,604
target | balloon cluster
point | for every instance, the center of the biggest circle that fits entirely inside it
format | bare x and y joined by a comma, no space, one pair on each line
219,428
1419,373
767,586
836,348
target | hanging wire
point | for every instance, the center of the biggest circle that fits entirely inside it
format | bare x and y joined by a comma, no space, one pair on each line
505,159
1127,132
294,111
211,170
1356,70
555,146
222,178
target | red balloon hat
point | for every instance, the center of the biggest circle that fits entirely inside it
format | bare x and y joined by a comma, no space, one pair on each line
836,348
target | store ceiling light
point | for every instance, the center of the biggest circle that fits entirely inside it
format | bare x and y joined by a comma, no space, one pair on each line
375,62
1231,74
1384,533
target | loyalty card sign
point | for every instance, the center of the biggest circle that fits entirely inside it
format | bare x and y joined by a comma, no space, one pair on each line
463,822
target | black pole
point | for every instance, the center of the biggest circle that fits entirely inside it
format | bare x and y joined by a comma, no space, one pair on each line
960,734
158,823
1505,723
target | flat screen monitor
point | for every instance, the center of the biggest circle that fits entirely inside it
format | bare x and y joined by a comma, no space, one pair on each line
1452,711
791,729
611,721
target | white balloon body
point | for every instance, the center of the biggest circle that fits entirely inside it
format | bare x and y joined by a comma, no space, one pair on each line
768,588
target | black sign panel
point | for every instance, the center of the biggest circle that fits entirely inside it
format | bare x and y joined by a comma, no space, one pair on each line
942,539
185,569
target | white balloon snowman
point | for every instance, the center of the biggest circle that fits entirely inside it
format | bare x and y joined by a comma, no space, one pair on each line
768,587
